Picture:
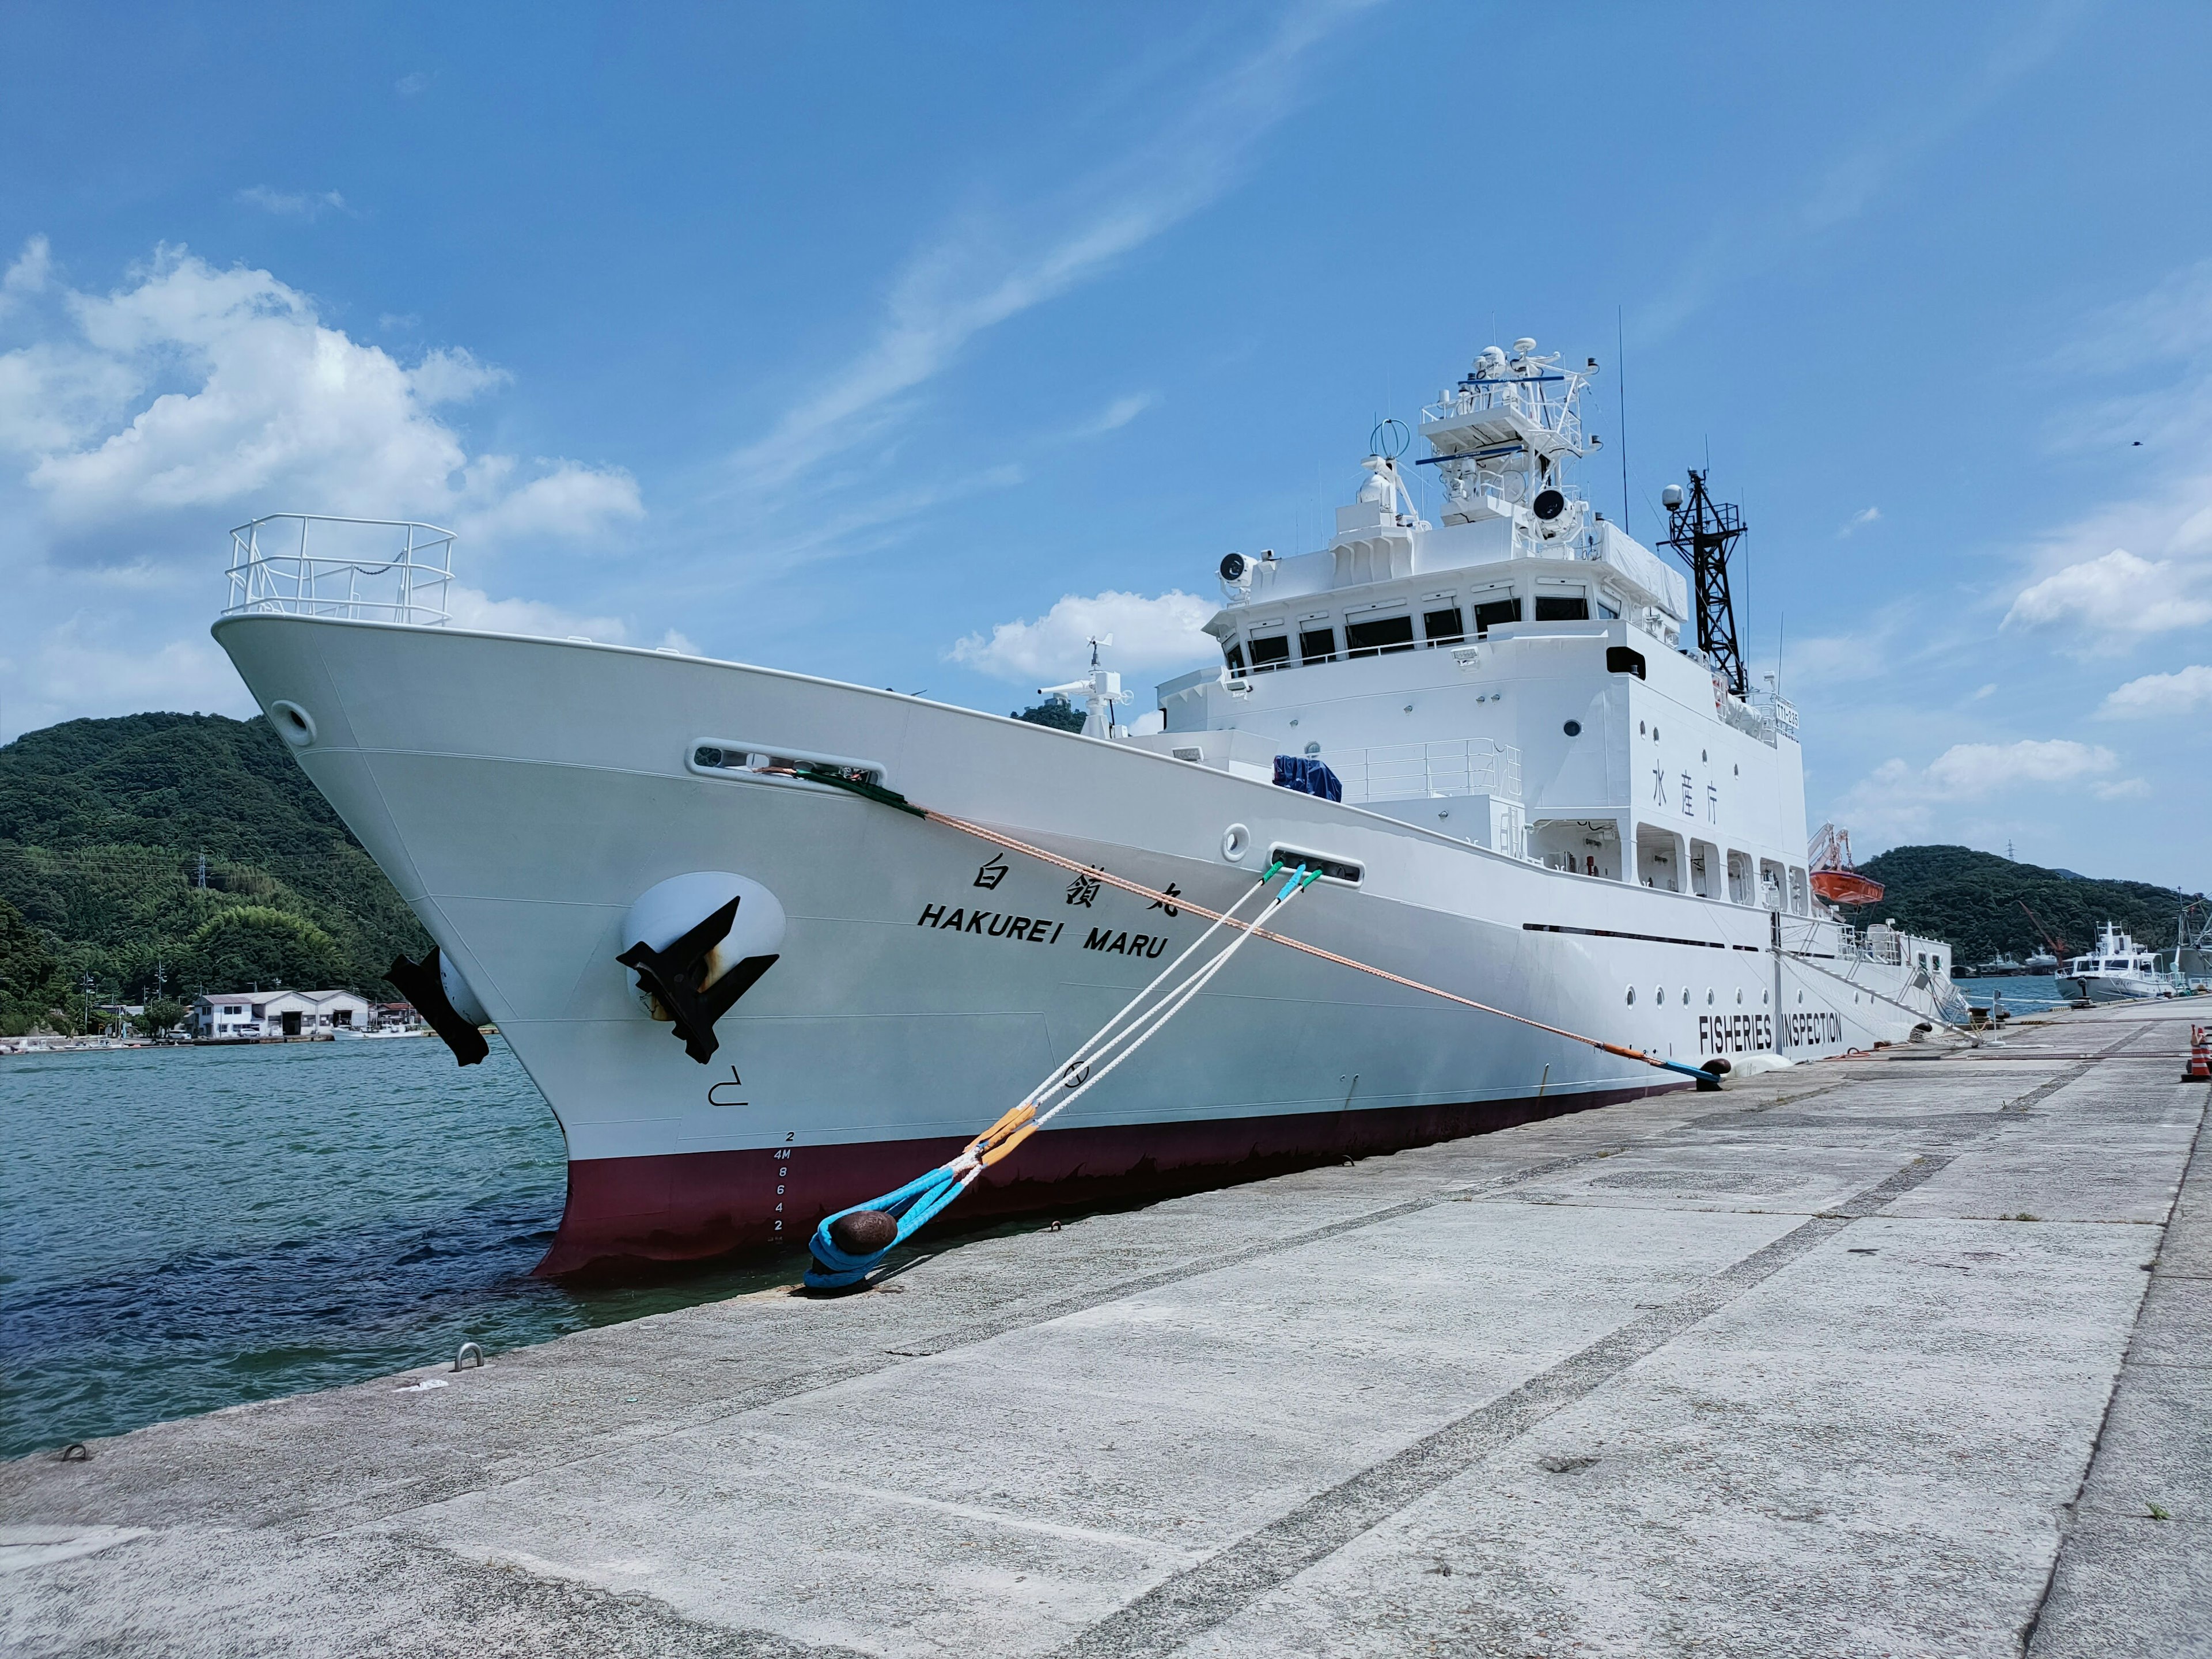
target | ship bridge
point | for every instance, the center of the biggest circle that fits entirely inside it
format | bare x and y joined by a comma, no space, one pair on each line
1516,675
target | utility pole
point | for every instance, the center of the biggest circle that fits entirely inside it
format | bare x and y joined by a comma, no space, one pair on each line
1703,531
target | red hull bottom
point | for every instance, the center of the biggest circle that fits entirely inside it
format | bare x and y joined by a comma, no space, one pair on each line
686,1206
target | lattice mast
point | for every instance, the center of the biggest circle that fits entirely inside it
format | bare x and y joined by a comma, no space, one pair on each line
1703,532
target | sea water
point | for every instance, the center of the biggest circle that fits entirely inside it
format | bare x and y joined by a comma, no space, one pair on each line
182,1228
2022,993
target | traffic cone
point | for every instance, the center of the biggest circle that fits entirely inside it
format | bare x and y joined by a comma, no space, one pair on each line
2200,1055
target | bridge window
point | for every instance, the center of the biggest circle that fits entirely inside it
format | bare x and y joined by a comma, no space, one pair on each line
1234,653
1496,611
1316,644
1270,653
1377,635
1562,607
1621,660
1443,627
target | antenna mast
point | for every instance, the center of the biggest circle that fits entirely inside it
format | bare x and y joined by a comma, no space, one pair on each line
1703,531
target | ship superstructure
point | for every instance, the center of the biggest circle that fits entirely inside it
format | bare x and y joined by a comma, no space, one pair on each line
753,991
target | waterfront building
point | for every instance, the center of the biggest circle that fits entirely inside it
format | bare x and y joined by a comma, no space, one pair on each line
252,1016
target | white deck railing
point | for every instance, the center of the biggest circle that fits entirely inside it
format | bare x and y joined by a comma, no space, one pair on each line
1411,771
360,570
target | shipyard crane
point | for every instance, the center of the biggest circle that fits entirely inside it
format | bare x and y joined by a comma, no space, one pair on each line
2055,944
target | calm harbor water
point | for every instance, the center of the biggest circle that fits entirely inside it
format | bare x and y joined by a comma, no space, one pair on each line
181,1229
2026,993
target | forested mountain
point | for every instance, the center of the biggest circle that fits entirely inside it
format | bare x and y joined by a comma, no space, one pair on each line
103,826
1973,900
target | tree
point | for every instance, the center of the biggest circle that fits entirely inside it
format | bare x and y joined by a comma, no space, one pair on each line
162,1015
254,944
1055,711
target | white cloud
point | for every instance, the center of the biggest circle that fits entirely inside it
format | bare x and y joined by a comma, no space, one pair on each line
568,501
2123,789
194,390
310,206
472,609
1115,415
453,375
30,272
1898,801
1970,769
1857,520
2117,595
88,664
412,85
982,271
1149,632
2161,695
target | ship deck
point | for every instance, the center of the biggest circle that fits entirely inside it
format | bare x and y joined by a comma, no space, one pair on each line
1898,1354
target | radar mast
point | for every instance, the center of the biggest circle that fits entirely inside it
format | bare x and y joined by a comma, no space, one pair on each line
1703,532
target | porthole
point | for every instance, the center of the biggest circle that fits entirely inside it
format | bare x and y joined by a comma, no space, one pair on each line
1762,999
1702,756
1572,728
1662,996
1631,996
1655,733
294,724
1735,771
1801,998
1686,996
1639,728
1739,999
1235,842
1709,999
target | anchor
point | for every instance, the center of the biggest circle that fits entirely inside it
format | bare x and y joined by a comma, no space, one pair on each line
673,976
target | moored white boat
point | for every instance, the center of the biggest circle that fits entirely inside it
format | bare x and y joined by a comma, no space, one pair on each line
1551,802
2115,971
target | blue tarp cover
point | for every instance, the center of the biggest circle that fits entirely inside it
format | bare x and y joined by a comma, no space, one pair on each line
1299,772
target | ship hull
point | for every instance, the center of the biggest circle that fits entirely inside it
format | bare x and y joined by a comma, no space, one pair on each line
2108,987
522,794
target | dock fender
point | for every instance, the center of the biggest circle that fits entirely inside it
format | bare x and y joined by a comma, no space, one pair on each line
443,998
694,944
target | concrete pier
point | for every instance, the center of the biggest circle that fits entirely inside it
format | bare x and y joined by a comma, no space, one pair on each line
1905,1355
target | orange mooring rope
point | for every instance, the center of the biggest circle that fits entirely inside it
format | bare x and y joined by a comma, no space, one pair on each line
1143,891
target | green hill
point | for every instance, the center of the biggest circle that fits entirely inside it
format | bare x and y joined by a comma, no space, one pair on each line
1973,899
103,826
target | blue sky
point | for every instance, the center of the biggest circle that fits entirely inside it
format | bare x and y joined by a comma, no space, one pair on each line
901,343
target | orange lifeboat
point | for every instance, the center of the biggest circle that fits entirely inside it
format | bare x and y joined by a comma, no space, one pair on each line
1836,878
1846,887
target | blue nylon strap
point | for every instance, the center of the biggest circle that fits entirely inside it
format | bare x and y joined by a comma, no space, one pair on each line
920,1201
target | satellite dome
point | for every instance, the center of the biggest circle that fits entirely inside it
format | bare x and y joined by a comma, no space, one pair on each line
1671,496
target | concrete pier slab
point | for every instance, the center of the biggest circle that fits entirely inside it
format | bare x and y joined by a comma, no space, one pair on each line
1859,1359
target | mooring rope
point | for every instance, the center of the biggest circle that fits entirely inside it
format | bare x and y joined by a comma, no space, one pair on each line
897,1216
848,1243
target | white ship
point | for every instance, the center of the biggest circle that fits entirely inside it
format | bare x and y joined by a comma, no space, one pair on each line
2115,971
1553,801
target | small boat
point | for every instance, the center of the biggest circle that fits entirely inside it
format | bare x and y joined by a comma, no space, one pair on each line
2042,962
2118,971
1836,878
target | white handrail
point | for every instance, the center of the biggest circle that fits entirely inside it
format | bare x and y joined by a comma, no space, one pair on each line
1412,771
390,570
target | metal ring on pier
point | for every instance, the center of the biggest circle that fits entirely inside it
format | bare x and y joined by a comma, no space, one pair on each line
467,1349
75,1452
